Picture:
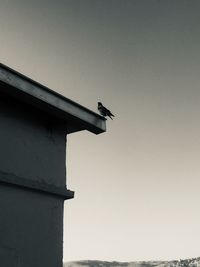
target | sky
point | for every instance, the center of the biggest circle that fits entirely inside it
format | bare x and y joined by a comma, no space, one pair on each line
137,185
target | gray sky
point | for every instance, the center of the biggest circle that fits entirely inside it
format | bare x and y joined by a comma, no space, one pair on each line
137,185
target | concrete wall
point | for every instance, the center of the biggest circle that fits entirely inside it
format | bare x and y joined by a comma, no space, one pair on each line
30,228
32,147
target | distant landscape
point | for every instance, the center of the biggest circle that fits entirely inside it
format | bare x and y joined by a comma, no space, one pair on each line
194,262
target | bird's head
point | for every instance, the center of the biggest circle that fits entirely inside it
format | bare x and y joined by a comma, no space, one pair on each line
99,104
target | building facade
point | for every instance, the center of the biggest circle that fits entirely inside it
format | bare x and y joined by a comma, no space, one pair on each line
34,123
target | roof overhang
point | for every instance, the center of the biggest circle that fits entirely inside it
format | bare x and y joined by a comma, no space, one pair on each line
77,117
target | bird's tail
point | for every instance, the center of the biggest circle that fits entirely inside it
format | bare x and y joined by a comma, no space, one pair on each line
111,117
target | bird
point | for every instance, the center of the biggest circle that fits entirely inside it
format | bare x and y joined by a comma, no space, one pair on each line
104,111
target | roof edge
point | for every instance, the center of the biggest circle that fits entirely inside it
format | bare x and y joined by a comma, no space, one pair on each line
50,100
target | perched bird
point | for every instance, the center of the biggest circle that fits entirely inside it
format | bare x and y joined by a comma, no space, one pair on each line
104,111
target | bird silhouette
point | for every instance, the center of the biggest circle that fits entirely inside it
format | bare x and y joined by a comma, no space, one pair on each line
104,111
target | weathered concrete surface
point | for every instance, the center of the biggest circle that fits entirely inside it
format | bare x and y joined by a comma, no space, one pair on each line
31,226
32,186
32,145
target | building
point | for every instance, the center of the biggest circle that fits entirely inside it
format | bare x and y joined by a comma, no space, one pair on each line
34,123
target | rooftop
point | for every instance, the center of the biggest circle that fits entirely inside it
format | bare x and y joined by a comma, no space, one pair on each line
77,117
